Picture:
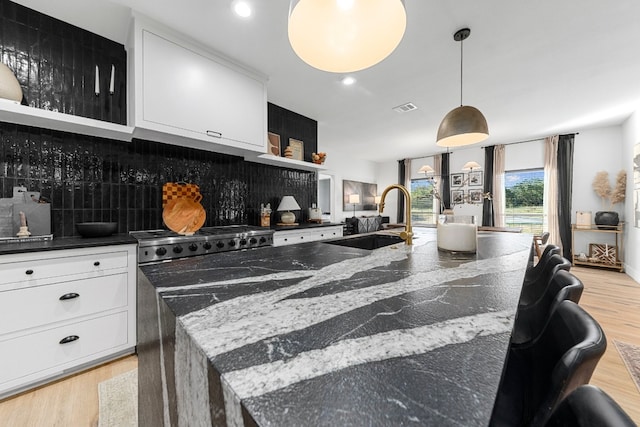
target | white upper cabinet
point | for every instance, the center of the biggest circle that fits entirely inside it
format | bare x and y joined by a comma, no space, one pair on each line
182,90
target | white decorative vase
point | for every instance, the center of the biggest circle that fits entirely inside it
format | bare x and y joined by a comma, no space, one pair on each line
457,233
9,85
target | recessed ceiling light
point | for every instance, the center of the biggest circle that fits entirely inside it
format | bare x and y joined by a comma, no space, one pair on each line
348,80
242,9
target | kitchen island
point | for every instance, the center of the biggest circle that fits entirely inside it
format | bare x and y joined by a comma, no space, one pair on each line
321,334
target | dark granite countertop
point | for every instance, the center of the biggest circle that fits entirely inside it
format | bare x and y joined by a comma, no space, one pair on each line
58,243
320,334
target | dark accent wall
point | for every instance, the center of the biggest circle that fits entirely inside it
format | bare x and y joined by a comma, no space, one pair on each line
288,124
55,63
96,179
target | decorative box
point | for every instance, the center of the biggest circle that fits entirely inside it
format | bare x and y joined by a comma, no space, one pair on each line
583,219
606,254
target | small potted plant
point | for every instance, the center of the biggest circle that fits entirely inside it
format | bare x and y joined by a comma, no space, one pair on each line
610,197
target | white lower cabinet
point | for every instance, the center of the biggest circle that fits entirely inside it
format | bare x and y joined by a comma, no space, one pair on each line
302,235
60,323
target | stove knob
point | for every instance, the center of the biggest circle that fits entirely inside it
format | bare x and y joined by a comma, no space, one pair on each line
232,243
161,251
193,247
220,245
177,249
263,240
253,241
243,242
206,245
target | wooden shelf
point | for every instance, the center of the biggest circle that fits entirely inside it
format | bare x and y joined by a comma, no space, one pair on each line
24,115
619,245
269,159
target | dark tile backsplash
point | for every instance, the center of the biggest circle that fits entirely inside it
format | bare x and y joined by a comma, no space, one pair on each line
55,63
95,179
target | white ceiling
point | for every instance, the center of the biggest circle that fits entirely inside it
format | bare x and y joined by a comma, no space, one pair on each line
533,68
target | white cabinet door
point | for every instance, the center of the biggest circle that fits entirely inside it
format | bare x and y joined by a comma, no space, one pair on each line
189,93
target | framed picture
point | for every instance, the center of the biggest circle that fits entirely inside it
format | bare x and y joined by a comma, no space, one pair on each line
475,196
457,196
475,179
366,191
457,179
273,145
298,149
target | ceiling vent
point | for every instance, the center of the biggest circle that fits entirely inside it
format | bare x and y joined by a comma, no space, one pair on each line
409,106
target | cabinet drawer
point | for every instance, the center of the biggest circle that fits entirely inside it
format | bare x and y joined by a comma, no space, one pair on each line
38,271
29,307
291,237
38,352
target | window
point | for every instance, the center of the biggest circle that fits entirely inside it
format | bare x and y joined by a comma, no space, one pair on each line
422,201
524,194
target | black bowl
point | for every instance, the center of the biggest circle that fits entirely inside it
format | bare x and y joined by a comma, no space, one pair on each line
96,229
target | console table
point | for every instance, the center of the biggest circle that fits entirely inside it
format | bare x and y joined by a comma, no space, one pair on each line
601,254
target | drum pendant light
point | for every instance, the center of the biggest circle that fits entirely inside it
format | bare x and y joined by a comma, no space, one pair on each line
342,36
464,125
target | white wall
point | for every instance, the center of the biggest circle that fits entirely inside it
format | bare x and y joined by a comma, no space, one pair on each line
631,137
341,167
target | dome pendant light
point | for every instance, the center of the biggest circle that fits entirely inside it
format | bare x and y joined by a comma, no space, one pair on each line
464,125
342,36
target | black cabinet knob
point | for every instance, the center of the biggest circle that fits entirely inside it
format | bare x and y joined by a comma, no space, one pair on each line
97,263
29,272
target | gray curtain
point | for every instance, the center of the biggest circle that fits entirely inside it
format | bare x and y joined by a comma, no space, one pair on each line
487,204
401,180
565,189
446,186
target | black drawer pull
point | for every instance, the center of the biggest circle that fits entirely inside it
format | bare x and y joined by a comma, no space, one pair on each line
29,272
70,295
97,263
70,338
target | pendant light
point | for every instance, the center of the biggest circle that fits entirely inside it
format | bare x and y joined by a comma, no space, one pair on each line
464,125
342,36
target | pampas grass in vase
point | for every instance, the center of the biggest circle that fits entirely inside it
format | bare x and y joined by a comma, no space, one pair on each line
609,196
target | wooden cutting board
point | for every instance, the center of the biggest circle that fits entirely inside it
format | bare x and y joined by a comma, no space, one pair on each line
174,190
184,215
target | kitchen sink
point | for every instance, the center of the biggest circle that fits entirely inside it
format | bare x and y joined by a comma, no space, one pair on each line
370,241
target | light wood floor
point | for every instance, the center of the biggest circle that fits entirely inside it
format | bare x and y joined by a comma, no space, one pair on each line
612,298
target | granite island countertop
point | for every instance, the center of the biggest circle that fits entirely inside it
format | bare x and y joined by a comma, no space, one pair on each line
320,334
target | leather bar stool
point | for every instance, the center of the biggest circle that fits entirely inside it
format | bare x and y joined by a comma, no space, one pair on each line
589,406
534,271
539,375
533,291
531,319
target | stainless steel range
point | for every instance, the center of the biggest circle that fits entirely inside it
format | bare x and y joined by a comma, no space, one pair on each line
164,245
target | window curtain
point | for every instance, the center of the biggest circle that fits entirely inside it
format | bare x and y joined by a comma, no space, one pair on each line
437,172
487,205
550,198
498,186
401,180
446,187
565,190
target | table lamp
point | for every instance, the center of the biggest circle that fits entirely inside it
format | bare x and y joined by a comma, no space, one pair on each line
288,204
355,199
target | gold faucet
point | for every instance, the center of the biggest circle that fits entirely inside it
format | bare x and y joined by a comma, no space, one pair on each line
407,234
